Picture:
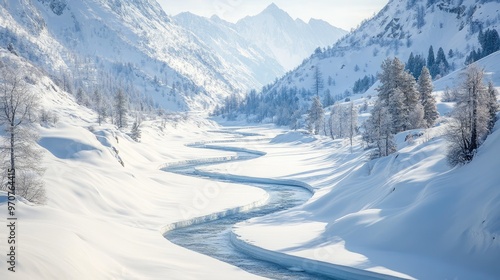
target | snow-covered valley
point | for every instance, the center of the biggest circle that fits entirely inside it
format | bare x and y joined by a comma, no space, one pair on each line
177,193
406,215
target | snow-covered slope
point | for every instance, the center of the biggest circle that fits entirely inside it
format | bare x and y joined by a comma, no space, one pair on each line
288,41
408,215
104,220
400,28
221,37
132,44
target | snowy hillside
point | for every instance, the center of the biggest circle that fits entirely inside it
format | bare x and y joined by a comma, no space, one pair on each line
221,37
401,28
409,215
130,44
104,219
289,41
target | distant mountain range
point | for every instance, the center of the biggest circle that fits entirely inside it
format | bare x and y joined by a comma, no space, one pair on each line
288,40
180,63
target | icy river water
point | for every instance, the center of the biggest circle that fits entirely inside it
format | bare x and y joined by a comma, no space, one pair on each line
213,239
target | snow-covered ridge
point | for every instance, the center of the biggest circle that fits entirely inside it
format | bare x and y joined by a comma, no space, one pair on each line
132,44
402,27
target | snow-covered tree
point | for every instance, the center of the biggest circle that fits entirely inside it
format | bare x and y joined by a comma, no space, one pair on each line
378,131
99,106
316,116
352,122
121,109
471,117
398,93
428,101
337,121
441,63
431,61
415,64
317,81
18,104
492,105
135,132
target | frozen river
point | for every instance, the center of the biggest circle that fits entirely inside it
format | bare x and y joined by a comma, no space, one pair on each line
213,238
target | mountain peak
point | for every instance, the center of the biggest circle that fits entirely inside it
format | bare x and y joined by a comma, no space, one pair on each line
273,9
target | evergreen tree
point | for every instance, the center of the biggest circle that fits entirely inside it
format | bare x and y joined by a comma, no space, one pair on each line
431,58
99,106
398,93
121,109
315,117
490,42
80,97
427,100
441,63
328,99
411,99
318,81
135,132
431,63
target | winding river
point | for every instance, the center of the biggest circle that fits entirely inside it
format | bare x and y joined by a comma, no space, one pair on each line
212,238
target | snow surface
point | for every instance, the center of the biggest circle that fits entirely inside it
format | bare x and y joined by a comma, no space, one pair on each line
408,215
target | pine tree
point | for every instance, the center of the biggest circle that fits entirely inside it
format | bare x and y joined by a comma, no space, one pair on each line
135,132
431,63
428,101
80,96
99,106
411,110
431,58
441,63
398,93
318,81
316,116
121,109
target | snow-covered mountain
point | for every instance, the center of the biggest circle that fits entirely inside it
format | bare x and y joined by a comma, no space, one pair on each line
222,37
402,27
289,41
107,44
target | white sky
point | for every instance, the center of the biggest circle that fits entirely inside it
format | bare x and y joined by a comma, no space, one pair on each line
345,14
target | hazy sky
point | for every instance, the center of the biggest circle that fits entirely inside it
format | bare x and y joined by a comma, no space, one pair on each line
345,14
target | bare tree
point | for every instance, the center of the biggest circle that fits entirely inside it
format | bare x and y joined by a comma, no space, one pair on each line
471,117
492,105
352,122
17,105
